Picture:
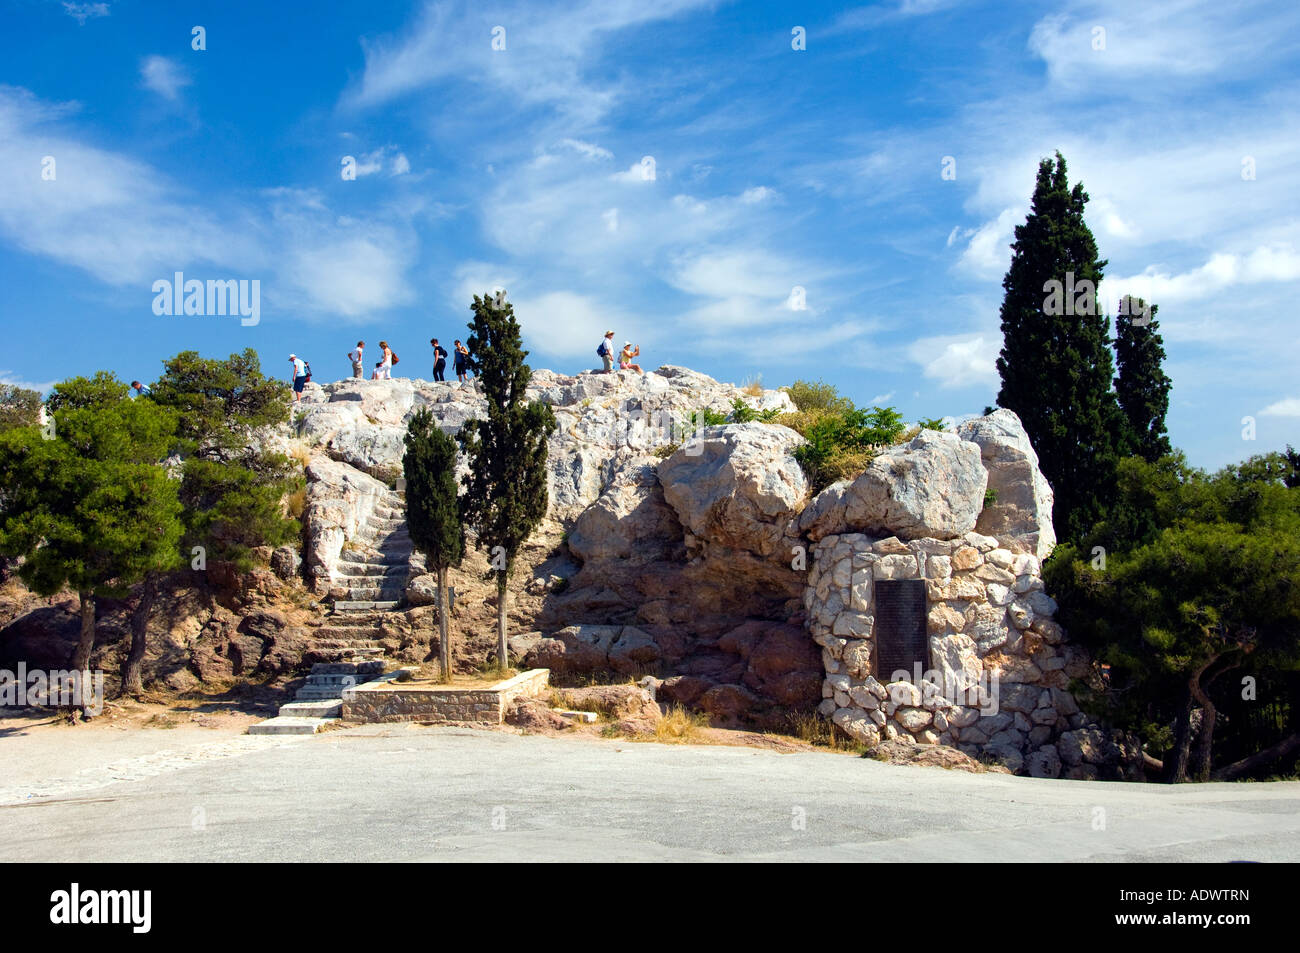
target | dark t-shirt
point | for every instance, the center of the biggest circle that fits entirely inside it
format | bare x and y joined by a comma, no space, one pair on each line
439,354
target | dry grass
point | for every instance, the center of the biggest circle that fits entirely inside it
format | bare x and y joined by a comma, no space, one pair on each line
296,503
753,386
298,451
680,726
813,729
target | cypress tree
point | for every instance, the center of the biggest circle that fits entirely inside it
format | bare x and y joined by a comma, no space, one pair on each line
432,511
1142,386
1056,363
506,490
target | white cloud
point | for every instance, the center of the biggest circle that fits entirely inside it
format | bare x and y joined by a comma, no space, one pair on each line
966,360
81,12
401,165
165,77
586,149
1287,407
988,254
13,380
1222,272
756,195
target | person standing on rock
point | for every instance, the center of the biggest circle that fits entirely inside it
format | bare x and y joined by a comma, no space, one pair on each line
384,369
606,352
355,357
462,360
299,376
439,360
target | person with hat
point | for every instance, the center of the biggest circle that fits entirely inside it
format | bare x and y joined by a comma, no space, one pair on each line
299,376
625,358
606,352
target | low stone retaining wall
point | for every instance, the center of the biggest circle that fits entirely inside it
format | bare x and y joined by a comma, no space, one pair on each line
388,700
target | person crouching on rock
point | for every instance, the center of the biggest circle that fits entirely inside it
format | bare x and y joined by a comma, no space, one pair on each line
625,358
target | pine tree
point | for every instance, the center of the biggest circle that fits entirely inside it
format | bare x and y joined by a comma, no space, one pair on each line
1142,386
1056,363
432,510
91,507
506,490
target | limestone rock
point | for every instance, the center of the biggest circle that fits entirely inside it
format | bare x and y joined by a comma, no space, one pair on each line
1021,517
933,486
737,485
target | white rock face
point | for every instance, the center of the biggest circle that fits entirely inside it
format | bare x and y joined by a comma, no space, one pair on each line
932,486
1022,514
737,486
339,501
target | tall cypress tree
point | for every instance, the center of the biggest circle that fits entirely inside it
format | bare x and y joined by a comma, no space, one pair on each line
1056,363
432,511
1142,386
506,491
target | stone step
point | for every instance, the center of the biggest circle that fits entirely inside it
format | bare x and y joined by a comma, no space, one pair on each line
364,593
384,512
321,709
349,642
342,655
363,605
363,571
360,669
289,726
376,560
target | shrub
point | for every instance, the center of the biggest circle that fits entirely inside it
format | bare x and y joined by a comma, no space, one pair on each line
842,443
813,396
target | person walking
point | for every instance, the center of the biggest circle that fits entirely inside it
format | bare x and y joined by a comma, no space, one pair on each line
355,356
462,360
606,352
384,369
439,360
626,355
299,376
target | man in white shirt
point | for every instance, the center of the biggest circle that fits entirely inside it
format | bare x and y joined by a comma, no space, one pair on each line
299,376
606,351
355,357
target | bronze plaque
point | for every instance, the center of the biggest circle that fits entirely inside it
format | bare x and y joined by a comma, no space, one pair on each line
901,640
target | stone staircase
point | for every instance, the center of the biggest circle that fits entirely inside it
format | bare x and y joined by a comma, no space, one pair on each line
347,650
320,701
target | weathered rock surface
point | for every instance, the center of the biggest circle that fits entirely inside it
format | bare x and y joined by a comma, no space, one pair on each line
933,486
1021,516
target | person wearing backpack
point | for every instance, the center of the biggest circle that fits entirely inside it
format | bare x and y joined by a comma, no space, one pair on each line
439,360
301,375
606,352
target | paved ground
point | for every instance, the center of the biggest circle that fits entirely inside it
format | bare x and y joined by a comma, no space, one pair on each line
406,793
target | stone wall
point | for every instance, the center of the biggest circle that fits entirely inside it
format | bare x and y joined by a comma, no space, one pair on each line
390,701
998,671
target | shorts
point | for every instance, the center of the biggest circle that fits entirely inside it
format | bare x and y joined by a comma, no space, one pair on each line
298,383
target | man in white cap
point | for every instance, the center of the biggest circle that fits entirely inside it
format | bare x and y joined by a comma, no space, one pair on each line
299,376
606,351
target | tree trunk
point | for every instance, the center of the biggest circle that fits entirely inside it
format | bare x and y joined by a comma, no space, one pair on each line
86,644
1283,748
444,648
1203,757
1176,762
503,652
134,663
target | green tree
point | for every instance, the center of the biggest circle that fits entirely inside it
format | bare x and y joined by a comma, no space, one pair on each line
19,406
432,510
506,489
232,489
1191,577
90,508
1056,363
1142,387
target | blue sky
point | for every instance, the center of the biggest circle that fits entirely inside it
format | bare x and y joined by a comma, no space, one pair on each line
529,168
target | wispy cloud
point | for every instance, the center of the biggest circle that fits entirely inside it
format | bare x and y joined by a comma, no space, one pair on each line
165,77
81,12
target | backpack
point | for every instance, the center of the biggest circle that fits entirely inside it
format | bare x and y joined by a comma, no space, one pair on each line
602,350
306,369
394,353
